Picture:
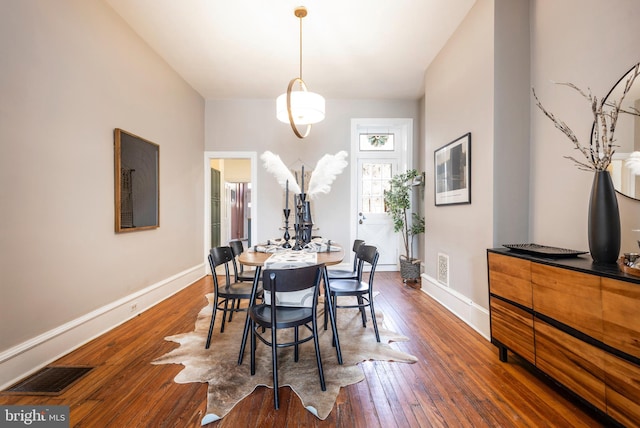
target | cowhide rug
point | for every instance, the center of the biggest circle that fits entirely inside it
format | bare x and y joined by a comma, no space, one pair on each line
229,382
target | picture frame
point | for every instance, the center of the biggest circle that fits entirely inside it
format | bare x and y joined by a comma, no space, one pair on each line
452,169
136,182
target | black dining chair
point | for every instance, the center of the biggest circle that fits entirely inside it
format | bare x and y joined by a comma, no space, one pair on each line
227,295
362,290
274,316
348,274
241,274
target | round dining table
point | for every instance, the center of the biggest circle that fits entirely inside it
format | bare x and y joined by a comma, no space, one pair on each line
257,259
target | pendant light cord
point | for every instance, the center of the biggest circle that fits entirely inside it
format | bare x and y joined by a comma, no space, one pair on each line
300,18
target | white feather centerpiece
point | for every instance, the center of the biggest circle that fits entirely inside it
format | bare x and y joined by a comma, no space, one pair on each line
325,172
274,165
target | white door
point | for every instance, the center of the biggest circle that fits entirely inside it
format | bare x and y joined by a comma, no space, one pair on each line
374,224
380,149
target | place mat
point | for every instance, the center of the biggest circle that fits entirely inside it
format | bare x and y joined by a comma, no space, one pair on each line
322,246
268,248
316,245
289,259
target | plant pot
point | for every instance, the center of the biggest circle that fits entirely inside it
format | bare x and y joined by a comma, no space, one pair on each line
409,269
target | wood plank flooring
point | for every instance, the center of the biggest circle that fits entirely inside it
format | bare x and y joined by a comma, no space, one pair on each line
457,382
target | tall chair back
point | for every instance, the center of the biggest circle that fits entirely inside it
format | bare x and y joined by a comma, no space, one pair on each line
227,296
368,254
356,287
290,280
221,256
343,273
356,247
237,247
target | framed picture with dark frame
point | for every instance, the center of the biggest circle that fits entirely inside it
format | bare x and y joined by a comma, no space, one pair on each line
452,169
137,182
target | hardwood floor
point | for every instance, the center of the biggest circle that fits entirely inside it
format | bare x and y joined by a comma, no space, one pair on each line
457,382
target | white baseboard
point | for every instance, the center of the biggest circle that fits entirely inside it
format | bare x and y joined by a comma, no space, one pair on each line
461,306
30,356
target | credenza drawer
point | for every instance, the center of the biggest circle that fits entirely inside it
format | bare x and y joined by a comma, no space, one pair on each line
513,327
577,365
567,296
510,278
623,390
621,315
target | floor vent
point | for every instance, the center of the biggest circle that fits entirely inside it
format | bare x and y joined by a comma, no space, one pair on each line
443,269
48,381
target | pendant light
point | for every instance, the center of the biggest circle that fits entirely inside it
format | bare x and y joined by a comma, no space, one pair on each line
300,107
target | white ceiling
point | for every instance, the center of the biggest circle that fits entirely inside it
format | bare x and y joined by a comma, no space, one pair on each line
250,48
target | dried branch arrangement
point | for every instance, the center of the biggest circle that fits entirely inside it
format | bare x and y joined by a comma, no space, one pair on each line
601,148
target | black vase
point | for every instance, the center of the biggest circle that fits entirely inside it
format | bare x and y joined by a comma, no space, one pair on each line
604,220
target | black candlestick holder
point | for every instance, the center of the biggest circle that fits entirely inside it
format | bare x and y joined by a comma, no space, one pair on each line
297,240
286,236
298,226
304,219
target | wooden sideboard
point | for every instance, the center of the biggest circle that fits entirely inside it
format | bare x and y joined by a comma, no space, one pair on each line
575,321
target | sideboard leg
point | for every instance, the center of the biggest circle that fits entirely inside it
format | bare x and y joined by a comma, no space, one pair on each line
502,350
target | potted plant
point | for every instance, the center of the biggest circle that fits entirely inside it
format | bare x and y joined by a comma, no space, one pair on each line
397,201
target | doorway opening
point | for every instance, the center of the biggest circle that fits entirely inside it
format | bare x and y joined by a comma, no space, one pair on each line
230,204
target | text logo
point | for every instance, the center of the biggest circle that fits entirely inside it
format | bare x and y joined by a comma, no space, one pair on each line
34,416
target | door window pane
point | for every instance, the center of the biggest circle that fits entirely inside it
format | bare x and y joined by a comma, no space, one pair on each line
375,180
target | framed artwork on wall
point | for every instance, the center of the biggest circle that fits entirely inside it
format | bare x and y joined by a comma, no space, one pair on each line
452,169
137,182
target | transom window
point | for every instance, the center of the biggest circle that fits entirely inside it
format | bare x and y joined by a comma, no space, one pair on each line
377,142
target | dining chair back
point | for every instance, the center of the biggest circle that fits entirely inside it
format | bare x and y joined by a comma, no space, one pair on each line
240,273
358,288
227,294
273,316
348,274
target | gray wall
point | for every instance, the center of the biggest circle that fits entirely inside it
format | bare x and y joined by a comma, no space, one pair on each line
511,122
459,98
73,71
592,44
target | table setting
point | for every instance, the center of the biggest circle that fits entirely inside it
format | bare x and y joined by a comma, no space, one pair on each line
315,245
